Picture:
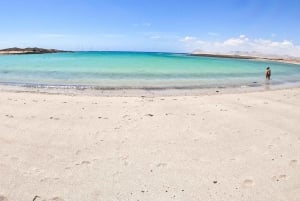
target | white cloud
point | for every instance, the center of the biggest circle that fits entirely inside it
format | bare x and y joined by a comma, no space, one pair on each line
189,39
236,41
192,40
243,43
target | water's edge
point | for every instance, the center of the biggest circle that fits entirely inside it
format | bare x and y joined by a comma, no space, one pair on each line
77,90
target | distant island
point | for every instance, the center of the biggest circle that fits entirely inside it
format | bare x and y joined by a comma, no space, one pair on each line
29,50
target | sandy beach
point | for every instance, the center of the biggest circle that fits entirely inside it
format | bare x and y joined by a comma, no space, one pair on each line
208,147
281,59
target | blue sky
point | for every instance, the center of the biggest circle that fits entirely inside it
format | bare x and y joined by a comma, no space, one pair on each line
152,25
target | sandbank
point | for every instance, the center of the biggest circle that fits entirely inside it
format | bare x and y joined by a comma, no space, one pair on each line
282,59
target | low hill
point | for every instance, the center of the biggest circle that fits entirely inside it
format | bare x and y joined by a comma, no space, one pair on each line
34,50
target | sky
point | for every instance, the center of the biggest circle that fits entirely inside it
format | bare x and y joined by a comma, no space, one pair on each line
266,26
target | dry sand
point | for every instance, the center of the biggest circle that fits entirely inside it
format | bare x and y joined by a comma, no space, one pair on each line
188,148
276,58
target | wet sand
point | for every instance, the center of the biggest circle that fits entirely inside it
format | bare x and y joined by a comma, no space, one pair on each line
243,146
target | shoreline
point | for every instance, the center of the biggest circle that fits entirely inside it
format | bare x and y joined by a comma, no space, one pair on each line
289,60
285,61
75,90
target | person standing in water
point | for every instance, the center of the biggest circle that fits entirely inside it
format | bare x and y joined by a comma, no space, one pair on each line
268,73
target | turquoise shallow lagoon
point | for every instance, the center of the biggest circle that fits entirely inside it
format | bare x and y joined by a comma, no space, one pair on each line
140,70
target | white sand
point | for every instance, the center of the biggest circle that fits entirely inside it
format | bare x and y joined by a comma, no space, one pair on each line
220,147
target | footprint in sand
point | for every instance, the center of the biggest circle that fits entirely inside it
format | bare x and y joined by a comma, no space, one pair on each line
85,162
161,165
118,127
248,183
48,179
2,198
283,177
56,199
38,198
279,178
293,163
14,158
78,152
9,116
55,118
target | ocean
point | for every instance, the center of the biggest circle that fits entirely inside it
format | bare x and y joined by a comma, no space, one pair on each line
139,70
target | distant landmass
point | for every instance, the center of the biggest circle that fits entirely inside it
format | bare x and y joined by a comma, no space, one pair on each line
30,50
250,55
225,55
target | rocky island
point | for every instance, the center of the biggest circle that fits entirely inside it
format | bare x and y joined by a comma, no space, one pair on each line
29,50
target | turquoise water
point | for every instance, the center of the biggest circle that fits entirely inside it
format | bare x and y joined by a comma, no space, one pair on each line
139,70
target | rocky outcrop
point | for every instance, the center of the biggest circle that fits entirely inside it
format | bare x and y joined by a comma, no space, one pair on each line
29,50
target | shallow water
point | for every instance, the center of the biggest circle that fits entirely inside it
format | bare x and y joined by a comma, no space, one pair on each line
140,70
